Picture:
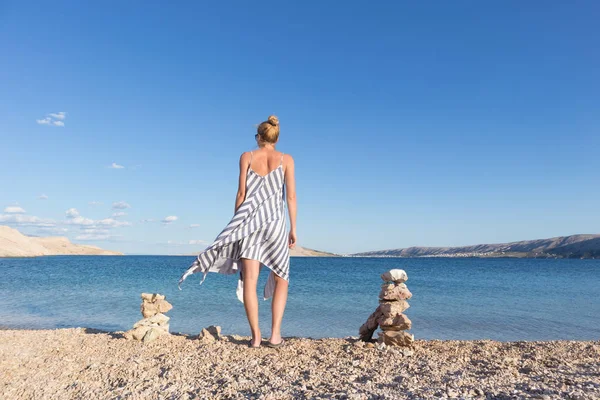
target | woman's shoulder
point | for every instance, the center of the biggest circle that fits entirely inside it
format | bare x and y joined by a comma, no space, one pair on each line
245,157
287,159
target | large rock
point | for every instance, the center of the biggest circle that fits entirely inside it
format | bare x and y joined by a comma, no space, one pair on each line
163,305
393,308
210,334
367,329
148,309
398,322
153,334
396,338
139,332
155,320
395,275
391,291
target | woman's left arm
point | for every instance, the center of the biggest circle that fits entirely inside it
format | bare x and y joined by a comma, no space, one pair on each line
241,192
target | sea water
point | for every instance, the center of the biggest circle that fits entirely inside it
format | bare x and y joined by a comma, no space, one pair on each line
502,299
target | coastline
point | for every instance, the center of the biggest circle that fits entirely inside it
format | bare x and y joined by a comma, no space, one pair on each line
87,363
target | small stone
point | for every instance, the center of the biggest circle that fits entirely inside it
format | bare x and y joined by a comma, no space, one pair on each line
392,291
398,322
152,297
155,320
396,338
160,319
152,334
407,352
370,345
525,370
147,296
139,332
359,344
367,329
395,275
163,305
215,331
393,308
148,309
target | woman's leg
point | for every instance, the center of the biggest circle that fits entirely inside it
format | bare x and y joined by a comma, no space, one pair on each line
277,308
250,270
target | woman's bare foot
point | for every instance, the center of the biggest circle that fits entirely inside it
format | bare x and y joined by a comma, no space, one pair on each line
275,339
256,340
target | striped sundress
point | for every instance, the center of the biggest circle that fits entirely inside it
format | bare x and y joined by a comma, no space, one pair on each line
257,231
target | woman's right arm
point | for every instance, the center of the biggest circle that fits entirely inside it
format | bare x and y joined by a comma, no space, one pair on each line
241,192
290,186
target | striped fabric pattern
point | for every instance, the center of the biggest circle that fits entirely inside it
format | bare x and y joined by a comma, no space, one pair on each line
257,231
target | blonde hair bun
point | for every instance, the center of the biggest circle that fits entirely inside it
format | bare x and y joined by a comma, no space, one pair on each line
269,130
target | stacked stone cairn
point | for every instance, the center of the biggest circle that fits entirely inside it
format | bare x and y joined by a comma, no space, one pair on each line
389,314
155,322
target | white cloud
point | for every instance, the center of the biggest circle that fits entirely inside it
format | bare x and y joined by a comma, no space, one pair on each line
81,221
116,166
120,205
113,223
198,242
95,203
169,219
96,231
119,214
92,236
72,213
43,197
74,218
44,121
26,220
52,230
194,225
14,210
53,119
60,115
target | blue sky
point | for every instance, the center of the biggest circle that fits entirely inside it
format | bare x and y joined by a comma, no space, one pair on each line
437,123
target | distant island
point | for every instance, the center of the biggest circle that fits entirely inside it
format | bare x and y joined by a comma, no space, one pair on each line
574,246
299,251
14,244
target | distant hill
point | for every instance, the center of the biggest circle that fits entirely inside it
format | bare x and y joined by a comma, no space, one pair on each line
14,244
574,246
299,251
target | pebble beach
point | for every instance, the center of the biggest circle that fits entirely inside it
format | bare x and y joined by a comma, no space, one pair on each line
81,363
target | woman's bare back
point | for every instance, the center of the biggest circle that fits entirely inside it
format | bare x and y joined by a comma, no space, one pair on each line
264,161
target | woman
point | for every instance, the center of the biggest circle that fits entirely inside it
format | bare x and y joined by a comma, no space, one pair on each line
257,232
